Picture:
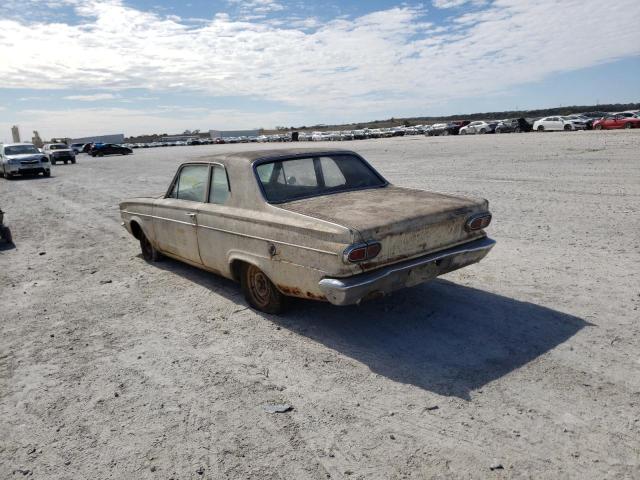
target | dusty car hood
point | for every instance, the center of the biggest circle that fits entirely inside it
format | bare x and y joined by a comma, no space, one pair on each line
406,222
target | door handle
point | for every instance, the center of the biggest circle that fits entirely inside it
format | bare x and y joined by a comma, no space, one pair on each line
190,214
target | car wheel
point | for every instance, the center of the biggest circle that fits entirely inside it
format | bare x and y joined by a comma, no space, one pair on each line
462,132
567,128
628,125
445,133
482,131
46,173
541,128
73,161
53,162
149,252
598,127
66,161
259,291
517,130
101,154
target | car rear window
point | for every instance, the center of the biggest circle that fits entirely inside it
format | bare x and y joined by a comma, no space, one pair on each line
286,180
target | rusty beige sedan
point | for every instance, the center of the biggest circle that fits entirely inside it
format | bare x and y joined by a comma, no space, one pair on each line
315,224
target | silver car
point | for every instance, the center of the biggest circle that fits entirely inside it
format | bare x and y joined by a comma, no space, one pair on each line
22,159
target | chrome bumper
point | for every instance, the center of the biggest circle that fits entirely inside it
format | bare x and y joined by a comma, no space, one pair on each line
350,290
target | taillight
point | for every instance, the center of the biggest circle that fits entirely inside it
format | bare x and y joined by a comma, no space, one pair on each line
361,252
478,222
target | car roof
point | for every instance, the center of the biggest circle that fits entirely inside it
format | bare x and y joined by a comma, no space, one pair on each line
255,155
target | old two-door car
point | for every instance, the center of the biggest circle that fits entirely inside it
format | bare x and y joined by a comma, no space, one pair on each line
310,223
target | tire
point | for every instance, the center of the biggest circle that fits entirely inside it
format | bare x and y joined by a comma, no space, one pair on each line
46,174
53,162
66,161
628,125
73,161
482,131
259,291
517,130
445,133
567,128
541,128
598,127
463,132
149,252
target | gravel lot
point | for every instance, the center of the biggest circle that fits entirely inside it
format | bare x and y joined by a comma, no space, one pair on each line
523,366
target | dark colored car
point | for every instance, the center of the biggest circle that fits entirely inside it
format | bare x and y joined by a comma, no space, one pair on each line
109,149
444,129
514,125
616,121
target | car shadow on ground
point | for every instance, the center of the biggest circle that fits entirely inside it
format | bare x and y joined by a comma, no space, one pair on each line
440,336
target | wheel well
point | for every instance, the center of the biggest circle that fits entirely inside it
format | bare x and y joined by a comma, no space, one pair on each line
236,268
136,230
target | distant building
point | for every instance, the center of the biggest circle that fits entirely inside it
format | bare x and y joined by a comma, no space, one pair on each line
15,133
179,138
116,138
233,133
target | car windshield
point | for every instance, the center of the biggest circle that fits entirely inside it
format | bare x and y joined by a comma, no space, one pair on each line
20,150
286,180
60,146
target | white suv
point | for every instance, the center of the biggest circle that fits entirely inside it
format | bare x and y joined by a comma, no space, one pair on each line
59,152
22,159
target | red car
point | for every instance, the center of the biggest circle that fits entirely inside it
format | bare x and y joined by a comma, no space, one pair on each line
616,121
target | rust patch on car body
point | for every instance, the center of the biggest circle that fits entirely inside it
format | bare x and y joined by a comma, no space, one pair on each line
293,291
313,296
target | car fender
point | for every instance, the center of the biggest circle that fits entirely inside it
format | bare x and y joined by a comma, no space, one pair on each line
262,262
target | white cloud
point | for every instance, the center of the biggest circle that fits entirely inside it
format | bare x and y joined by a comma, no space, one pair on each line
448,3
91,98
257,6
387,61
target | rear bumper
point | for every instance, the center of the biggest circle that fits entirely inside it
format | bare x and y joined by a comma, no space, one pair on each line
350,290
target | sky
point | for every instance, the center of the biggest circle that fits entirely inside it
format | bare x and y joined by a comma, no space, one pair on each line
89,67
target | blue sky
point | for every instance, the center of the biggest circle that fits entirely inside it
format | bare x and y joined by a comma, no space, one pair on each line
83,67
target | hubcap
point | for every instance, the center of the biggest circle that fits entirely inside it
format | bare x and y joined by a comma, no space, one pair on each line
259,286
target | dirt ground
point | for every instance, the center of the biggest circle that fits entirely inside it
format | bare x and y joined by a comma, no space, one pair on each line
526,365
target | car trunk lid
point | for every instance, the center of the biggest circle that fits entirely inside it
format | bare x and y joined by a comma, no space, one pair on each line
407,222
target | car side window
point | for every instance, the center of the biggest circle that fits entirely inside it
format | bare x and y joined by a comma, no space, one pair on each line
191,183
333,176
300,172
219,191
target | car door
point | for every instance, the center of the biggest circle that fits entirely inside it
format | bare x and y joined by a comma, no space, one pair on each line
550,123
175,216
216,223
618,121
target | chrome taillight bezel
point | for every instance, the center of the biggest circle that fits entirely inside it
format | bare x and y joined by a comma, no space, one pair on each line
359,246
485,221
